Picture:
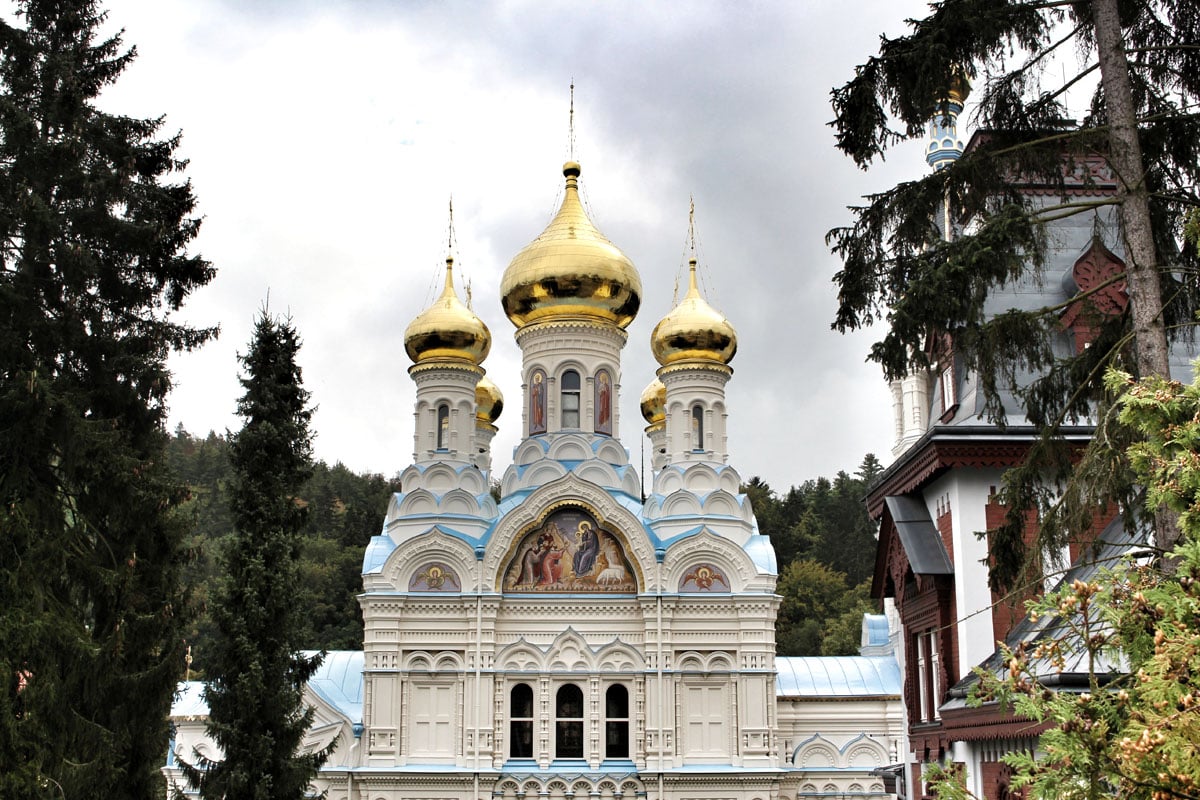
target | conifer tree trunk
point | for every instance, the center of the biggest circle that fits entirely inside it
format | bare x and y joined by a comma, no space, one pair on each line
1151,350
1125,157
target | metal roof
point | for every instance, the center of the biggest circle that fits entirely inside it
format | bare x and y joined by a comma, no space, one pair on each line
837,676
338,681
922,543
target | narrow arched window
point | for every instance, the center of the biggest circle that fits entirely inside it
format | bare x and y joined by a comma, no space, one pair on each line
520,722
616,722
697,428
568,722
570,399
443,427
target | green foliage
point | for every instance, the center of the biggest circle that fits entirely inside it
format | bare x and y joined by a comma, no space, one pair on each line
95,222
1131,733
825,546
344,510
257,675
899,268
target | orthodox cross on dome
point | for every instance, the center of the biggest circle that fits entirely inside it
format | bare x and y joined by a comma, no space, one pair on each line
571,124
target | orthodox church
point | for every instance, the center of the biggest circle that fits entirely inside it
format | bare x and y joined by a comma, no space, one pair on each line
573,639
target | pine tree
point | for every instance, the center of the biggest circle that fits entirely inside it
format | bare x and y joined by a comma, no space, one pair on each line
94,221
1142,118
257,674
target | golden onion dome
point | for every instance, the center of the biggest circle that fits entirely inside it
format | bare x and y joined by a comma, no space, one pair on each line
654,402
447,330
489,402
693,330
960,87
571,271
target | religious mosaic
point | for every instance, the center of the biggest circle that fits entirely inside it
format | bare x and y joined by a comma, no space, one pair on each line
704,578
434,578
537,402
569,552
603,402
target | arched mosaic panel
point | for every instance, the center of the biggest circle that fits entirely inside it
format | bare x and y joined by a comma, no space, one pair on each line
569,552
434,577
603,402
704,578
537,402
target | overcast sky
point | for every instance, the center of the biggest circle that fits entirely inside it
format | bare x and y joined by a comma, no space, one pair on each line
326,139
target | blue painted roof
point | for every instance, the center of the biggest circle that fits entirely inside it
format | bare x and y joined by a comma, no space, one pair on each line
837,676
877,629
377,552
338,681
189,700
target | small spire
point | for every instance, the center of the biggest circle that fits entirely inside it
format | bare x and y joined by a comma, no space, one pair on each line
692,225
571,124
449,290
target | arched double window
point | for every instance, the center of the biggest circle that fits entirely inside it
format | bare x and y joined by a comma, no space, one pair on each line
520,722
570,399
568,722
443,427
616,722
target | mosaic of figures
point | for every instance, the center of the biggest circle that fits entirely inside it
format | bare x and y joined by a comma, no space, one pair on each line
704,578
603,402
569,553
434,578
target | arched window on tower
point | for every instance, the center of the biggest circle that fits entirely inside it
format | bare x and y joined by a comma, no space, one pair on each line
616,722
697,428
443,427
570,399
568,722
520,722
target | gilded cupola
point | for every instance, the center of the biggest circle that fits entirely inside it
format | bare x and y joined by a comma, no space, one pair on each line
447,330
693,330
654,403
571,271
489,402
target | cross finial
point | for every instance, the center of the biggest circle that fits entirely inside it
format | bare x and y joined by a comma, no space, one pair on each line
692,223
450,231
571,124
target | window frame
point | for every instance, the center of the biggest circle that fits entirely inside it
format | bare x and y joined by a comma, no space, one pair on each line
570,400
566,727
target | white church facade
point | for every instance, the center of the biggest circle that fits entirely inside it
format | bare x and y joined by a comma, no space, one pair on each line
573,639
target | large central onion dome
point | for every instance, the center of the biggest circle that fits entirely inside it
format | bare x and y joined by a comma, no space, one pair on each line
447,330
693,330
571,271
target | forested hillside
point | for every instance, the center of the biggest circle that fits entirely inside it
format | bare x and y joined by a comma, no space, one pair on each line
344,510
825,545
824,541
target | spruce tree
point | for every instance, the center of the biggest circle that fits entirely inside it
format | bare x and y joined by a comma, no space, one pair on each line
95,220
897,268
257,673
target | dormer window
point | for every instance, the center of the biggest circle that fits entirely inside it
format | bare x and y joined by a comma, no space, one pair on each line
570,399
443,427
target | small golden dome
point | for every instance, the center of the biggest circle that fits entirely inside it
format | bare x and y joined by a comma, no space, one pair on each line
654,402
960,87
489,403
571,271
693,330
447,330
